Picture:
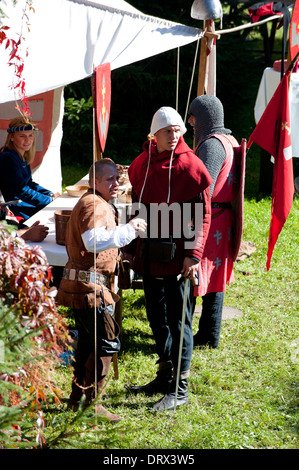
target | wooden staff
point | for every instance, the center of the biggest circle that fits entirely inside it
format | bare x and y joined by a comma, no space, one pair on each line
178,372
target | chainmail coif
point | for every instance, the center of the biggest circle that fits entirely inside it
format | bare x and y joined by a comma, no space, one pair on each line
209,115
209,119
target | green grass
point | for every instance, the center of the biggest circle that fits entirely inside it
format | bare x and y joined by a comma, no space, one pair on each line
73,173
243,395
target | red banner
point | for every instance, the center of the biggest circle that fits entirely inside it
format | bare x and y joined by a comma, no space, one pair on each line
102,81
273,134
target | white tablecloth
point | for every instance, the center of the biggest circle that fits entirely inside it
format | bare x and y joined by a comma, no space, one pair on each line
269,82
56,254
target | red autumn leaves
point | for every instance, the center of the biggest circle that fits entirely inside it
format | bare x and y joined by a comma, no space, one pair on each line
16,59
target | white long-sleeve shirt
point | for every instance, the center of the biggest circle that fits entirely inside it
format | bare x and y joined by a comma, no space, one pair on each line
101,239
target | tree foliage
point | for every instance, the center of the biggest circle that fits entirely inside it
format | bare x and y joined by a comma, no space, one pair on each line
17,55
32,335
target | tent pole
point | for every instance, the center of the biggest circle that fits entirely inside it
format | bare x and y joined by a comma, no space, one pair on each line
204,57
202,62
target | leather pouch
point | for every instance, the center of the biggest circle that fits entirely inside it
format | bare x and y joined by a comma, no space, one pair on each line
161,251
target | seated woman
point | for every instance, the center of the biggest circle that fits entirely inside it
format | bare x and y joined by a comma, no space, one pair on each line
15,172
35,233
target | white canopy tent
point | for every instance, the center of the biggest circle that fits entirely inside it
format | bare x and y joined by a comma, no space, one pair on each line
65,40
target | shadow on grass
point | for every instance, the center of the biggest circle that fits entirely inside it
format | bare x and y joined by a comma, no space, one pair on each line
133,341
132,401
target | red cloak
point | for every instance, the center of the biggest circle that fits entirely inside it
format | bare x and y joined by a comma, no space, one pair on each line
189,176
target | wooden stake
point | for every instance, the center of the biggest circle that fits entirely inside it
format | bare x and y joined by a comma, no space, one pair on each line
115,365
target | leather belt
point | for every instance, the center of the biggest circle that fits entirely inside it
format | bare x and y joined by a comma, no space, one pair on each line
221,205
84,276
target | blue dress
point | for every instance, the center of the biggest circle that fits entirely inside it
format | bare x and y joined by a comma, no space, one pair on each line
16,183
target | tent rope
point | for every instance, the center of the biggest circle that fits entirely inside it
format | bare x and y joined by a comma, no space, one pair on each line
177,79
225,31
191,81
248,25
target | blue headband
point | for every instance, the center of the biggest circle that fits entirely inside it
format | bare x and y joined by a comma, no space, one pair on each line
25,127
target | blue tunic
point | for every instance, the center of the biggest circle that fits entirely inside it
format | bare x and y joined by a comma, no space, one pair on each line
16,183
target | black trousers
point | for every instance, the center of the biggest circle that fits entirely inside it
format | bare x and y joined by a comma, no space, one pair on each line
164,304
209,325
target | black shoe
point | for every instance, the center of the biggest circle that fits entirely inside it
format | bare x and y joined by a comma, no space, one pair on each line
159,385
197,342
168,402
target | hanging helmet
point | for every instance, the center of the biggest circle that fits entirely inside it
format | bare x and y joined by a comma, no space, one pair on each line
206,10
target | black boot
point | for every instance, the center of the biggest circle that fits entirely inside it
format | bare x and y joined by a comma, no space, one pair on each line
209,325
211,341
167,403
159,385
199,341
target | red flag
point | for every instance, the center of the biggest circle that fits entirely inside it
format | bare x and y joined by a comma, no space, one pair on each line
273,134
102,82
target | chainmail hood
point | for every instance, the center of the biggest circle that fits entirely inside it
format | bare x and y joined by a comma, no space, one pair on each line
209,116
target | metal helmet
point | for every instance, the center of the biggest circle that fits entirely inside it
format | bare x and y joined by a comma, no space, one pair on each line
206,10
